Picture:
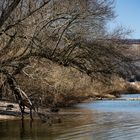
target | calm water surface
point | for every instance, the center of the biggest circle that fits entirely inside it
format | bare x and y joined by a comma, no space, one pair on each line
100,120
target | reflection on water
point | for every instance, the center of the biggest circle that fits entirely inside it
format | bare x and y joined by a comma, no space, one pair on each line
101,120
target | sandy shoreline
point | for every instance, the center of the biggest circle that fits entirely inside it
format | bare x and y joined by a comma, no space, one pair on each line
14,113
7,113
7,117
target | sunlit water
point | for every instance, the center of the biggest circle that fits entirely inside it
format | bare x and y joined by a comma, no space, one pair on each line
100,120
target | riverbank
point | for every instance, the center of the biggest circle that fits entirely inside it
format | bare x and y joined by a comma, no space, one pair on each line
11,111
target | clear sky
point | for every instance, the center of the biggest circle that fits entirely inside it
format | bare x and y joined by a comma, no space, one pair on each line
128,15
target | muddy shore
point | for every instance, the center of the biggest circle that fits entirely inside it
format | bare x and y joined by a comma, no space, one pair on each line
11,111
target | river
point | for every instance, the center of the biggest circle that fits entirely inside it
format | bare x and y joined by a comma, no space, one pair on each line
99,120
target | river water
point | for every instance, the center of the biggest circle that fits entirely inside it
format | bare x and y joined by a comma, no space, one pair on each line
100,120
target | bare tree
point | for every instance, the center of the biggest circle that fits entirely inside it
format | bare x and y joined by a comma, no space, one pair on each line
70,33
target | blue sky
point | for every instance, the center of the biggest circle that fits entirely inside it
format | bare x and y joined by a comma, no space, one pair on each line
128,15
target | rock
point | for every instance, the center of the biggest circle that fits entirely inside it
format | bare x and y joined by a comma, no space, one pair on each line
9,107
54,109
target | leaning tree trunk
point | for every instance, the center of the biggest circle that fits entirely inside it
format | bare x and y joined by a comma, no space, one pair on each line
21,97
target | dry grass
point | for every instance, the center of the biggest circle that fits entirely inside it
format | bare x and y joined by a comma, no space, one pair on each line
49,84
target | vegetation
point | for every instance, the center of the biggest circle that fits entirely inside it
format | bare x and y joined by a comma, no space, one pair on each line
59,51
